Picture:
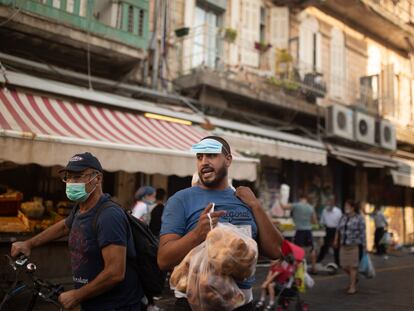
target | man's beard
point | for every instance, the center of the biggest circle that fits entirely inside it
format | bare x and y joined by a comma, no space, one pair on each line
220,175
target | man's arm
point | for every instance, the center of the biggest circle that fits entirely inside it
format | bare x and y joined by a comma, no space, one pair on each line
54,232
286,206
314,218
173,247
114,257
270,239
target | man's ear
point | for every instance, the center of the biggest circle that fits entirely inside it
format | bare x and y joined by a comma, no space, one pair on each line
228,160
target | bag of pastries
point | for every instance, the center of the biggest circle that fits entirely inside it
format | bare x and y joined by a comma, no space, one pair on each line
208,273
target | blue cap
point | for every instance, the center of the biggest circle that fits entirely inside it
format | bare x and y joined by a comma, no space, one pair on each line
144,191
82,161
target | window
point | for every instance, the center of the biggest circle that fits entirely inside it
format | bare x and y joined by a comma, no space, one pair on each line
133,19
130,18
310,54
206,50
337,78
262,25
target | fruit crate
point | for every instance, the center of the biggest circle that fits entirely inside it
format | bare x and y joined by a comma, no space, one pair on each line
10,204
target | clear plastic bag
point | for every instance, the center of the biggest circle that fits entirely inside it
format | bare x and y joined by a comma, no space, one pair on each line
210,270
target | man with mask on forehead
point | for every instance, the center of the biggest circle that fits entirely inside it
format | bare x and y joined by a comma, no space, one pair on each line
186,223
98,247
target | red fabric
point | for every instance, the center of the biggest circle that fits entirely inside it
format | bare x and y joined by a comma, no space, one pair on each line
285,271
290,248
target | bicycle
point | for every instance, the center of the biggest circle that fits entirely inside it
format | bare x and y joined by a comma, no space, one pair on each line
46,290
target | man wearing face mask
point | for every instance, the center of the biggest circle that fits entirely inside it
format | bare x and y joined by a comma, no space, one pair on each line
98,248
187,214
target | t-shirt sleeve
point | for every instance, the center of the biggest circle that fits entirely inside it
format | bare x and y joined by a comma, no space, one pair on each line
112,227
173,217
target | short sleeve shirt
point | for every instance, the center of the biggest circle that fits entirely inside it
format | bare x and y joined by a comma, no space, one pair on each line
302,215
85,245
182,211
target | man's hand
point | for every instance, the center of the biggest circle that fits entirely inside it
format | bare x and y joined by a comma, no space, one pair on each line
69,299
203,226
21,248
246,195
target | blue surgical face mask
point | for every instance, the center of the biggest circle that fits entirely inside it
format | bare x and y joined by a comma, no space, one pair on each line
77,191
149,202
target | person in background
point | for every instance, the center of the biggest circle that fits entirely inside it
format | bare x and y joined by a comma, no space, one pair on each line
145,198
330,219
381,225
304,216
102,278
350,235
156,213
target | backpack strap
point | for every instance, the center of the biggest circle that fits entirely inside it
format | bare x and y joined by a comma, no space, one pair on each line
105,205
75,210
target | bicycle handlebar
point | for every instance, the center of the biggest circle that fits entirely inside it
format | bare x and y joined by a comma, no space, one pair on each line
48,291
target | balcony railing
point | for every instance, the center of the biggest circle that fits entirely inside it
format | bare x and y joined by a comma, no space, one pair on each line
402,10
207,50
125,21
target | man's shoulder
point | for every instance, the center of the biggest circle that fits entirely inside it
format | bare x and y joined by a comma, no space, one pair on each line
184,193
109,208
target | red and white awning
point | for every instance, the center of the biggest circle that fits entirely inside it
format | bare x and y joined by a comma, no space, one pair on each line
48,130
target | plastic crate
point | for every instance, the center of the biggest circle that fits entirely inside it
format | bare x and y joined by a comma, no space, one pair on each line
9,205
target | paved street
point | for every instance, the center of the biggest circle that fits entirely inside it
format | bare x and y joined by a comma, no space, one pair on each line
391,290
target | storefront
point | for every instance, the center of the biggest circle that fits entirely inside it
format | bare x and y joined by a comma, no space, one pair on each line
40,131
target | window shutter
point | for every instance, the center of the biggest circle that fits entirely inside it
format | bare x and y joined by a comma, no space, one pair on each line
250,32
337,63
404,109
234,24
309,28
305,49
388,85
279,27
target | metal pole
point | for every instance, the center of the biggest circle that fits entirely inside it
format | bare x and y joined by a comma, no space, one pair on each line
154,47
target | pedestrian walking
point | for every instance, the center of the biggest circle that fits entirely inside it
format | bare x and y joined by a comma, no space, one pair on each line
145,199
304,216
381,225
188,214
350,236
103,280
330,219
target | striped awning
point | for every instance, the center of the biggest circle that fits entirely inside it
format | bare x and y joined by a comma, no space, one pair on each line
47,130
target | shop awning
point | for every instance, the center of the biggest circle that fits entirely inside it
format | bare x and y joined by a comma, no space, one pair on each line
354,157
259,145
403,175
47,130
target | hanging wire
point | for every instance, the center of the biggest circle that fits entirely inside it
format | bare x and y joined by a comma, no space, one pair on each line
11,16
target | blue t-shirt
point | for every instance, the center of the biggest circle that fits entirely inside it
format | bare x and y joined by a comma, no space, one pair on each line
85,245
182,212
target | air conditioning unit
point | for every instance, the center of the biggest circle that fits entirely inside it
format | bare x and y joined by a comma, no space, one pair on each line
364,128
339,122
386,135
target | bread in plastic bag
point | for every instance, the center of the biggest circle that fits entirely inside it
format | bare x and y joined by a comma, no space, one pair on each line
207,274
231,252
179,277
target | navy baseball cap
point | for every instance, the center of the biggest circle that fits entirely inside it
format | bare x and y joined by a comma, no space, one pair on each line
82,161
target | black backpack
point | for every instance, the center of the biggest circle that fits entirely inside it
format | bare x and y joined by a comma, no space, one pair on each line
146,247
